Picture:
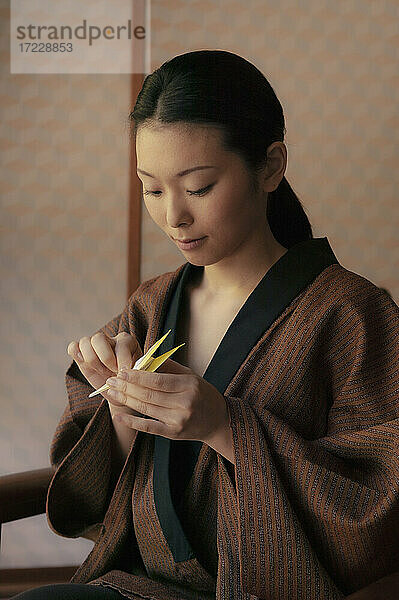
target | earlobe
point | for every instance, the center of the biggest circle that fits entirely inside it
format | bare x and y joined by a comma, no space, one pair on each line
275,166
271,181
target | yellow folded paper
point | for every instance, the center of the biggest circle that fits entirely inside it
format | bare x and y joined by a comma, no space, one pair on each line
146,362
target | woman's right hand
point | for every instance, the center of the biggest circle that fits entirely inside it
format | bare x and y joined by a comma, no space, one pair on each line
100,357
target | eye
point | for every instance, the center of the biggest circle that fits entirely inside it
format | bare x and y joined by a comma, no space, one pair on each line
200,192
147,193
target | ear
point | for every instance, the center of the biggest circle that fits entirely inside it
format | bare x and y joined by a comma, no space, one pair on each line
275,166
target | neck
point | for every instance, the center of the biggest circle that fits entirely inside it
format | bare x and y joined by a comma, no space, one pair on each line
237,276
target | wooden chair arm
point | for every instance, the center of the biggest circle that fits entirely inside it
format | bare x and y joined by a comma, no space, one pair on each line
24,495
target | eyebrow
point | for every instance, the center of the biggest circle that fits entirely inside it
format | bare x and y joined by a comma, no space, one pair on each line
182,173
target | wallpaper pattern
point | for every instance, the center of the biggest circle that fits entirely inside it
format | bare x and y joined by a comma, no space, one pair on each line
64,192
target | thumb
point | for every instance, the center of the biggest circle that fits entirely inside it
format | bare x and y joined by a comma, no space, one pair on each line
127,350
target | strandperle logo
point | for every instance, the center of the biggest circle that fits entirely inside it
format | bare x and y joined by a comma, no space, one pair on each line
80,32
94,36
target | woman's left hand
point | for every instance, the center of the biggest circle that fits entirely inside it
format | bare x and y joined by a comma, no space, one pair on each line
180,404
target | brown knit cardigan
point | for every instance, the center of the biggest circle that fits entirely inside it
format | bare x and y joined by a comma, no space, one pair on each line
311,510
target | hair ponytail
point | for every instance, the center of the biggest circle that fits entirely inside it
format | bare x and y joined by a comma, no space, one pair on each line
286,216
221,89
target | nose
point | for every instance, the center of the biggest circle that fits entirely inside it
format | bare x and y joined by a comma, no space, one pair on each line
177,211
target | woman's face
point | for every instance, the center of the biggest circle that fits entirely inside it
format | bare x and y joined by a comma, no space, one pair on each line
218,203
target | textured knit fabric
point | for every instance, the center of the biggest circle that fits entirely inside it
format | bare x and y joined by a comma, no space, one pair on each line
310,509
69,591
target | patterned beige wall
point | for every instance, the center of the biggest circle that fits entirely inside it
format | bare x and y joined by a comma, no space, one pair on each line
64,194
65,191
333,66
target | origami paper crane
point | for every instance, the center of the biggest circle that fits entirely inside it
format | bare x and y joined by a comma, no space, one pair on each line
146,362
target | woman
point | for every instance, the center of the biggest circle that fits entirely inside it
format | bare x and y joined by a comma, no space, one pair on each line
260,463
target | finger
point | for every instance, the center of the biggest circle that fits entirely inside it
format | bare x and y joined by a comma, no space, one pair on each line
134,392
73,351
115,399
170,383
126,350
165,414
90,356
103,349
146,425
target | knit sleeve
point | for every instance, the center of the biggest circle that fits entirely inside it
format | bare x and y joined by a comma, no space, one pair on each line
82,486
318,518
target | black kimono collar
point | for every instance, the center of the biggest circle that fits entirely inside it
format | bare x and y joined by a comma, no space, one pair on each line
174,461
285,280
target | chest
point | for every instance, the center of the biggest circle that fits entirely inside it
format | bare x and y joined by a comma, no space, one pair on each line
289,365
202,326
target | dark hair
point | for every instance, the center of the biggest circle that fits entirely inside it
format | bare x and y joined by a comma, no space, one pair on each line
223,90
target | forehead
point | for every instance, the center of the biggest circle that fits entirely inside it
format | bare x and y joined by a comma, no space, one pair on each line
177,141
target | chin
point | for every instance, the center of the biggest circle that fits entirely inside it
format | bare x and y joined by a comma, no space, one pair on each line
196,263
202,262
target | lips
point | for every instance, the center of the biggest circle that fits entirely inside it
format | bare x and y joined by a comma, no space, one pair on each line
186,241
192,245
